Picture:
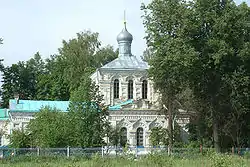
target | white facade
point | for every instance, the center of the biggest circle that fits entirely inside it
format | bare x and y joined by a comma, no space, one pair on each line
139,114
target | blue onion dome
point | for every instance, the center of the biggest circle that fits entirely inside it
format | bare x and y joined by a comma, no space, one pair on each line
124,36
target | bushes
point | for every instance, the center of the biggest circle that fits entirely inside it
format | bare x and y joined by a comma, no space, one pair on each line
157,160
82,126
20,139
226,160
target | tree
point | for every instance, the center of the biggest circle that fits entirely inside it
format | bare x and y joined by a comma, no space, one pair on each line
59,76
87,115
48,128
173,56
17,79
213,33
147,54
218,55
114,135
21,78
117,136
239,84
1,65
51,84
87,90
159,136
88,122
36,64
83,126
104,55
20,139
81,55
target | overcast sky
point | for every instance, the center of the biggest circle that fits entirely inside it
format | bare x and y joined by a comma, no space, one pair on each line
28,26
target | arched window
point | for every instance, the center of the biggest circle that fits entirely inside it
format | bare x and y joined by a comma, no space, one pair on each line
144,89
130,89
139,136
116,89
123,138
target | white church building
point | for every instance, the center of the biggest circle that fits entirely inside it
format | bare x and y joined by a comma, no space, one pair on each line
134,104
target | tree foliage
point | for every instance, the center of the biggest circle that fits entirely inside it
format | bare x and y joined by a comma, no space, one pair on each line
81,55
117,136
48,128
58,77
159,136
18,78
82,127
114,135
147,54
203,45
65,76
88,123
173,55
1,65
20,139
87,115
51,84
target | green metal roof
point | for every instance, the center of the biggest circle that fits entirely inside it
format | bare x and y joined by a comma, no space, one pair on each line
36,105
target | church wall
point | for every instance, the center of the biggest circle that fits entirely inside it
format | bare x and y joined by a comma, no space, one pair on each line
4,132
132,122
130,118
106,85
20,122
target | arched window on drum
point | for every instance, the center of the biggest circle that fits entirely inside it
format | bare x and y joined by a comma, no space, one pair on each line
130,89
116,89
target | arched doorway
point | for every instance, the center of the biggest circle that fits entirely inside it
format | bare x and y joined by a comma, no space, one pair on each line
139,136
123,137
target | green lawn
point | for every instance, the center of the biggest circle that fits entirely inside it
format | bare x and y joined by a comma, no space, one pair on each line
150,161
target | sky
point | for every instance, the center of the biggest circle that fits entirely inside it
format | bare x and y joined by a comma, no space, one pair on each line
28,26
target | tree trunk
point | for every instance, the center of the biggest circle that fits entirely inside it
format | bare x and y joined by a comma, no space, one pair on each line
170,124
216,135
215,126
237,133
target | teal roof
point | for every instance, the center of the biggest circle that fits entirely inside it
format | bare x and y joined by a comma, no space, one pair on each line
119,106
4,114
36,105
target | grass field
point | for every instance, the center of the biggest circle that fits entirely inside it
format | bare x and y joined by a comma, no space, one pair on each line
216,160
